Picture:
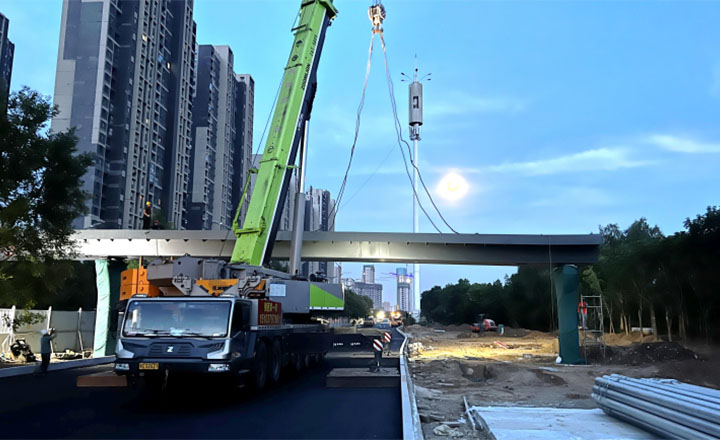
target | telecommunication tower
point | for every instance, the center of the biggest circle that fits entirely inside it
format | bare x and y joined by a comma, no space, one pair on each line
415,119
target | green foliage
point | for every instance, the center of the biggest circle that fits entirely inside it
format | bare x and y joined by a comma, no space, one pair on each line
643,274
23,317
356,306
644,277
524,300
40,195
409,320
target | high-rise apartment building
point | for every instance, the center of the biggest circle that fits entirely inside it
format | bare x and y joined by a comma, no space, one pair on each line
368,273
370,290
374,291
403,289
7,52
318,207
220,154
125,80
244,107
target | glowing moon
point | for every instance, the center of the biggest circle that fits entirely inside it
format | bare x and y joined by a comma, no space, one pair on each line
453,187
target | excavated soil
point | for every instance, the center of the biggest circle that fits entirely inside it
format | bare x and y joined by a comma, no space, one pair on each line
641,353
519,369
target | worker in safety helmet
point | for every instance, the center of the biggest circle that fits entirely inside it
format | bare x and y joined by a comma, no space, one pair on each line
46,348
147,214
582,313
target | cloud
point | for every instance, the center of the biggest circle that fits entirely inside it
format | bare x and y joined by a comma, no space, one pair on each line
575,196
600,159
682,145
455,103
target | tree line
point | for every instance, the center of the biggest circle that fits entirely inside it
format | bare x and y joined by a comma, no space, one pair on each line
645,278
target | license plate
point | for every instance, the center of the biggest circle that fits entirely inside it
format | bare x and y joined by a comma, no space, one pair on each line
149,366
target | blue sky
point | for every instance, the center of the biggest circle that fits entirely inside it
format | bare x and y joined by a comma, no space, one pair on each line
561,115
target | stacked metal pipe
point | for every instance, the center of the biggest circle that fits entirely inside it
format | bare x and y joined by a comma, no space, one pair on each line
665,407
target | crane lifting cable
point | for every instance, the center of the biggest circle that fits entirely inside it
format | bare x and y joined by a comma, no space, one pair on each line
377,14
401,141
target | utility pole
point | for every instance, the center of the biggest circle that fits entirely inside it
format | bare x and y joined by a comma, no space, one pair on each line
415,116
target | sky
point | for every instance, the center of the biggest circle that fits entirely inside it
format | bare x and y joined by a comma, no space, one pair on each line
560,115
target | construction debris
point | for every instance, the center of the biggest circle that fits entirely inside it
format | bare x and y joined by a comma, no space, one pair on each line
445,430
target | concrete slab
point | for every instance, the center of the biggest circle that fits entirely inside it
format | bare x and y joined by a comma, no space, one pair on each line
362,378
556,423
101,380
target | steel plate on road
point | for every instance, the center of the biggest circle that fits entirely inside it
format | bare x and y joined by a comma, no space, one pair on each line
149,366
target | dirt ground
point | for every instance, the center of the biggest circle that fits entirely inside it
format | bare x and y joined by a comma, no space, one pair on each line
519,369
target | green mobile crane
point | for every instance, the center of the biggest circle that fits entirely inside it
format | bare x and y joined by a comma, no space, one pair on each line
239,318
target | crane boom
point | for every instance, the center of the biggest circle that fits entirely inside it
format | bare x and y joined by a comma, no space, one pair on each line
256,237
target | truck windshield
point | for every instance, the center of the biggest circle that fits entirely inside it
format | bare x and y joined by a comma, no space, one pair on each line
177,318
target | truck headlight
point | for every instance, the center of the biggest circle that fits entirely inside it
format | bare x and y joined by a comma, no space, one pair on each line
218,368
222,353
121,353
122,367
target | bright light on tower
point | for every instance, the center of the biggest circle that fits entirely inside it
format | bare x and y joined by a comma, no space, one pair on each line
453,187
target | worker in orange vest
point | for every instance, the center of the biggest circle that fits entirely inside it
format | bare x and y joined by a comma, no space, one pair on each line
582,313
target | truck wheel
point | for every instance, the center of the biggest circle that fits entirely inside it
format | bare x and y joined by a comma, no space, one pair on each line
297,362
275,362
260,366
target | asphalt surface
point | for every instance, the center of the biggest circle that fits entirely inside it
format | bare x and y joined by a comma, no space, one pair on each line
299,407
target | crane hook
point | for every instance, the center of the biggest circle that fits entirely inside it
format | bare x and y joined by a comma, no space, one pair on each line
376,14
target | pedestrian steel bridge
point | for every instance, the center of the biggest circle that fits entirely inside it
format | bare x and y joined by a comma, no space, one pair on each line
389,247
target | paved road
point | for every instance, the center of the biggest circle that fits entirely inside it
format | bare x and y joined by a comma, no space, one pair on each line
299,407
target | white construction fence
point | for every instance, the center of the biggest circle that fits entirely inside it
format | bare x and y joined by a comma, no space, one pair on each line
74,330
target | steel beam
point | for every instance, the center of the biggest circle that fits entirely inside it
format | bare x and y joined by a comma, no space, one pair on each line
466,249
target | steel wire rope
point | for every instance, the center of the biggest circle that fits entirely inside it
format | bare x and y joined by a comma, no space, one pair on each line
333,212
357,191
398,130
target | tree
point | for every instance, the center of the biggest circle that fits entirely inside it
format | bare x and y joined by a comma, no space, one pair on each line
357,306
40,195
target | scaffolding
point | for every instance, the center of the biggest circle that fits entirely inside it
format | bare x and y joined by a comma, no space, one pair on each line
592,328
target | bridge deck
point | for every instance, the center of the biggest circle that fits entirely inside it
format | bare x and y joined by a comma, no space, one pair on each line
471,249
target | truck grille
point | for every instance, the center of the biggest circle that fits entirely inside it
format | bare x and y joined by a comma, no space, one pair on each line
170,350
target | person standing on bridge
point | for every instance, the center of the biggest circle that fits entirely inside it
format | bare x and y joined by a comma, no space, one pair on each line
147,215
45,349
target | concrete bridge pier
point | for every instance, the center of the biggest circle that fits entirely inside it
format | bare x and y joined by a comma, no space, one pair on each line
107,280
566,281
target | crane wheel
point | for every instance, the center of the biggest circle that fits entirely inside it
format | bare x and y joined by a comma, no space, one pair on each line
260,366
298,362
275,365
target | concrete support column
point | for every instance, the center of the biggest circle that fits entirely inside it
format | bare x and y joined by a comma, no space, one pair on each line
566,282
107,280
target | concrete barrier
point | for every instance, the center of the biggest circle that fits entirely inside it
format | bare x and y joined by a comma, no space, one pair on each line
55,366
412,427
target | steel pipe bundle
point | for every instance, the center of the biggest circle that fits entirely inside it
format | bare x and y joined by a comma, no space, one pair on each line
665,407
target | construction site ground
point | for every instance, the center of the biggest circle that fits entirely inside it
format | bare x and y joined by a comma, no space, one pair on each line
519,369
